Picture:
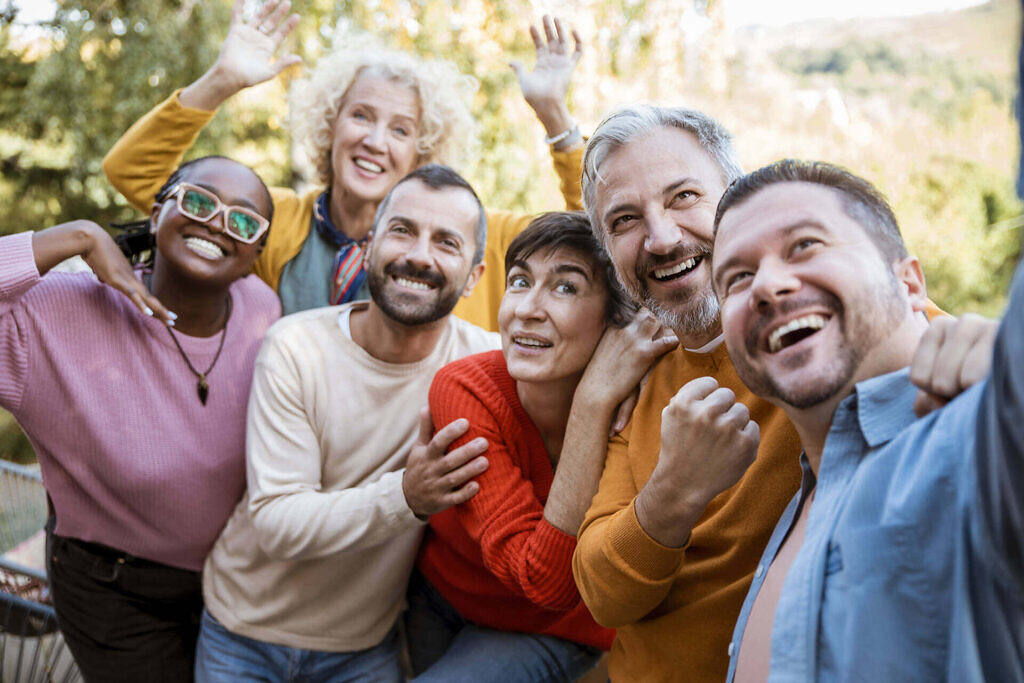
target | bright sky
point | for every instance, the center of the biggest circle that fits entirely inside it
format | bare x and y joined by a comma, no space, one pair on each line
780,12
738,12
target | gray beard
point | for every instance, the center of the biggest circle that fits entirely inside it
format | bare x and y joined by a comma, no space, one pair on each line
700,315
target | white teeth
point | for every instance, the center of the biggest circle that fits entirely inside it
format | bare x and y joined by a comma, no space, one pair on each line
204,248
527,341
684,266
369,166
412,284
810,322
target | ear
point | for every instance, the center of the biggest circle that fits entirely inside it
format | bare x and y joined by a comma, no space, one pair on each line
152,216
474,277
910,276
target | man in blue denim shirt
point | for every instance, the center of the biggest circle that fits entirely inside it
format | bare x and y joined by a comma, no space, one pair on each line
900,559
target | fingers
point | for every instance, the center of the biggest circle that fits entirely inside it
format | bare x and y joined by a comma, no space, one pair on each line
927,350
549,29
517,68
446,435
461,495
562,32
463,455
236,11
283,29
286,61
538,44
456,478
578,51
697,389
264,11
277,18
953,355
925,403
426,427
625,411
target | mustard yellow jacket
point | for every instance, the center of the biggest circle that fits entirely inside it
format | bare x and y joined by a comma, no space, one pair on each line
145,156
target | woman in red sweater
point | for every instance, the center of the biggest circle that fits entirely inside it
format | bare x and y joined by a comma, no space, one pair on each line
494,598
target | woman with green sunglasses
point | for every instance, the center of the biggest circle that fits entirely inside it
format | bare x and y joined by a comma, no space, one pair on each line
133,391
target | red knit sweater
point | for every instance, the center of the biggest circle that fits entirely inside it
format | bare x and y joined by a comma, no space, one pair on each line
495,558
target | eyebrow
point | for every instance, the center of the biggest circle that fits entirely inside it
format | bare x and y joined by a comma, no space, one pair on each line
668,189
732,261
444,232
572,268
235,202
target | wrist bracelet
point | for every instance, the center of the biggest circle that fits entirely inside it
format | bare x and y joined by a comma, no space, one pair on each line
555,139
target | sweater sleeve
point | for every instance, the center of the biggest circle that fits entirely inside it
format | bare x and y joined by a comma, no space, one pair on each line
141,161
622,573
525,552
18,274
293,517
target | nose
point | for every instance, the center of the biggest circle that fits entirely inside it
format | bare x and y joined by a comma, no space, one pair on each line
531,305
375,135
419,252
773,282
662,233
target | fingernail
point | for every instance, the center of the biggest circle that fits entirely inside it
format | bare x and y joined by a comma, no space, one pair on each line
148,311
170,323
172,315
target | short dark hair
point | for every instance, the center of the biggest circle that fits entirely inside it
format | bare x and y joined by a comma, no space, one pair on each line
571,230
859,198
438,177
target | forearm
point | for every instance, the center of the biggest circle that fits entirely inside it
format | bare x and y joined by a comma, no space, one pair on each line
579,465
621,572
307,523
209,91
59,243
667,514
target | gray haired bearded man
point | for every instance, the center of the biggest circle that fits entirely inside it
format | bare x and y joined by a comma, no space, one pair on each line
688,499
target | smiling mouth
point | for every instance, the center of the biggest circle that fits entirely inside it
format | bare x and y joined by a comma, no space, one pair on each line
205,248
368,165
677,271
531,342
795,331
414,284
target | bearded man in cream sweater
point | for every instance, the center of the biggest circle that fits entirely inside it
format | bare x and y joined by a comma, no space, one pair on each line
309,575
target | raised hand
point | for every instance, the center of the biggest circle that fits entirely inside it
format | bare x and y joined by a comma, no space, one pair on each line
247,55
91,242
707,442
435,480
953,355
621,361
546,87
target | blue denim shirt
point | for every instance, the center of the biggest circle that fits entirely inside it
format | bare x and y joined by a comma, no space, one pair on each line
912,566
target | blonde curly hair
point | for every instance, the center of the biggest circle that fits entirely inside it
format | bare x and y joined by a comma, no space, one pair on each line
447,130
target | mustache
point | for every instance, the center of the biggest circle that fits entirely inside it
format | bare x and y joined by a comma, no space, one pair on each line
651,262
407,270
772,311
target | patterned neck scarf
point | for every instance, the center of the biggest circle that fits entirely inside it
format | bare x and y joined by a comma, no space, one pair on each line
347,275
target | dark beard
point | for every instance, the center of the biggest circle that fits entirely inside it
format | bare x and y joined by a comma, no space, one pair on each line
407,313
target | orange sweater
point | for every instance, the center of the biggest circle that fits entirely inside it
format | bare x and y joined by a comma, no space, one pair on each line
495,558
675,608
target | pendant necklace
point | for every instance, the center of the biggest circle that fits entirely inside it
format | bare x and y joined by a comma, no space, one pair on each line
202,385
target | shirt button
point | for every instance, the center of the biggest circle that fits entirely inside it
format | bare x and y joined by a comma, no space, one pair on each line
732,646
760,570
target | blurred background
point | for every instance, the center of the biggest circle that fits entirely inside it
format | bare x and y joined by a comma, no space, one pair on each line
918,101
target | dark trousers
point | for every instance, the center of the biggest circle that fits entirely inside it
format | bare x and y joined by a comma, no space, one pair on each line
124,618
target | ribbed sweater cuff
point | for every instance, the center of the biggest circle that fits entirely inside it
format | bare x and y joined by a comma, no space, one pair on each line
554,548
638,550
18,270
395,504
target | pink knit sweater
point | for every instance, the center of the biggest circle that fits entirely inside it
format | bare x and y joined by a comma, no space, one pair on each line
129,456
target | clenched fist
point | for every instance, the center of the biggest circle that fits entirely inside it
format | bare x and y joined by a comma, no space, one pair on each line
707,442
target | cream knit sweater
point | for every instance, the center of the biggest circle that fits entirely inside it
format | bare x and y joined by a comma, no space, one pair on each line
318,553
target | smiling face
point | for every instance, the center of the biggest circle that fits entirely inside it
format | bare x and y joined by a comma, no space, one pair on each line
655,202
374,137
809,307
552,315
202,251
420,258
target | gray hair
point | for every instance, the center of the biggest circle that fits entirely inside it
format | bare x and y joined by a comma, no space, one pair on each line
629,122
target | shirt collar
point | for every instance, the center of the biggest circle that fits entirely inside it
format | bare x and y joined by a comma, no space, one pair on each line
884,405
710,346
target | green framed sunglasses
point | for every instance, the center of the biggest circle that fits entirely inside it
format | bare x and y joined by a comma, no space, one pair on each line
199,204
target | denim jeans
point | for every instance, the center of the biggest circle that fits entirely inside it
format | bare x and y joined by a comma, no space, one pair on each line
226,657
445,647
124,618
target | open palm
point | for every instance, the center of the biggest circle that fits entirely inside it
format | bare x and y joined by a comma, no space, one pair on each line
551,75
247,55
